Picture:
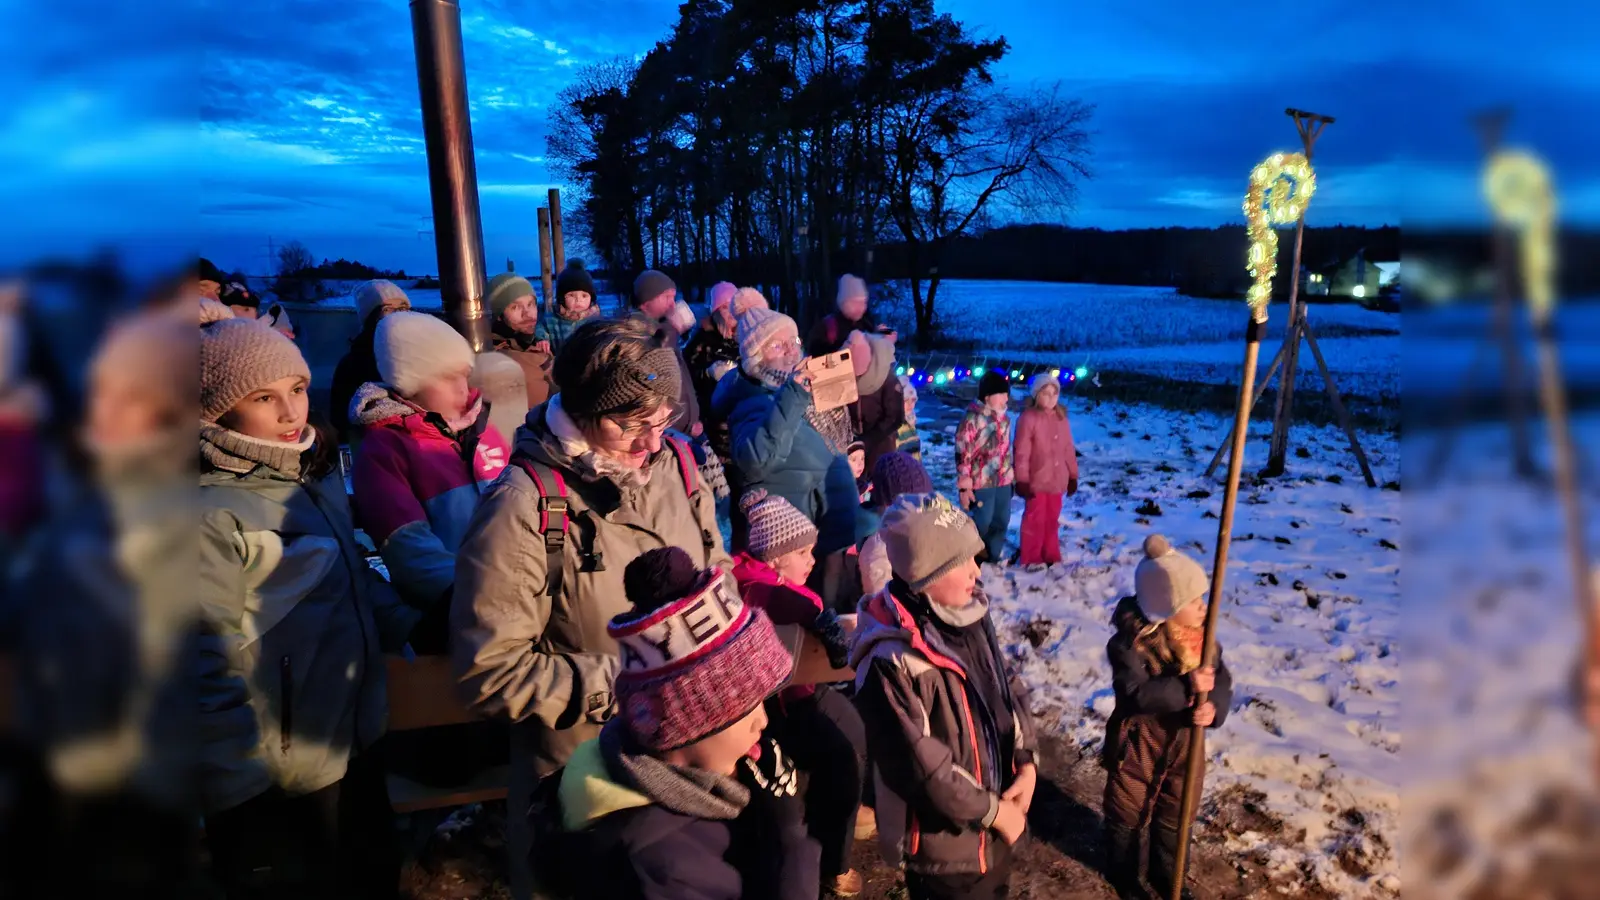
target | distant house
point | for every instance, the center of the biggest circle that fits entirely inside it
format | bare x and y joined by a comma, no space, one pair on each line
1357,278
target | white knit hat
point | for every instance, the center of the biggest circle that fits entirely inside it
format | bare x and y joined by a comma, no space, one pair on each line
415,348
1166,581
372,294
851,287
757,328
1041,381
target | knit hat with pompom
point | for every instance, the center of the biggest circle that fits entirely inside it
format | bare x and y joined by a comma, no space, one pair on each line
776,527
1166,580
695,658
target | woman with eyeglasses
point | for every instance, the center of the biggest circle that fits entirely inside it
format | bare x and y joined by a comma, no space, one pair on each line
593,482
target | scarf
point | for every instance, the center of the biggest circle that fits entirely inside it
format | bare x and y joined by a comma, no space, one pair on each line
231,451
1187,645
688,792
505,335
564,439
958,616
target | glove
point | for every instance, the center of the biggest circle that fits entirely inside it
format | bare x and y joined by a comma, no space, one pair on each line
828,630
1024,490
773,781
1072,487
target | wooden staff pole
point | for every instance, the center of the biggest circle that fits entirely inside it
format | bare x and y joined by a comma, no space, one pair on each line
558,246
545,281
1219,572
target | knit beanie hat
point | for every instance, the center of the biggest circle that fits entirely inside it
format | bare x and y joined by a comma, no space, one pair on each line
505,289
370,295
695,658
649,285
746,299
1041,381
925,537
573,278
776,527
850,288
1166,580
238,356
208,271
722,295
759,327
993,383
897,473
414,349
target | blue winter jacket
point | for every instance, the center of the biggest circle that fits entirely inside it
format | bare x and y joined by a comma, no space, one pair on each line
776,449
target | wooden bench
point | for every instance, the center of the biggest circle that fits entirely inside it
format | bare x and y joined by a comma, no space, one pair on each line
423,694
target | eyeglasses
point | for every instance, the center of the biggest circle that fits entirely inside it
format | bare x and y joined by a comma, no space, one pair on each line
636,430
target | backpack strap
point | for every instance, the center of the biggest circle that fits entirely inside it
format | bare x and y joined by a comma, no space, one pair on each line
554,518
687,470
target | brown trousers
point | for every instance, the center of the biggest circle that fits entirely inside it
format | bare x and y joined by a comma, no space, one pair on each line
1145,782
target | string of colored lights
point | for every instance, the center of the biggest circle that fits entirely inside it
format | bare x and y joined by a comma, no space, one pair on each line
938,375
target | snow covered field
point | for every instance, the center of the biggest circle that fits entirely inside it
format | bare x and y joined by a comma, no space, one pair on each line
1309,624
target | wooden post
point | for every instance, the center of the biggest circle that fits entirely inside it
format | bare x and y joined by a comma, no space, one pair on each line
545,281
1338,408
1309,125
1261,388
558,246
1219,572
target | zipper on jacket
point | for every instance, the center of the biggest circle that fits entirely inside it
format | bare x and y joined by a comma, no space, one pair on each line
356,574
286,702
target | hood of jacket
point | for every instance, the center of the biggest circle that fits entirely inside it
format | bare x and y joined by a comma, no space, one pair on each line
881,366
885,618
377,405
605,776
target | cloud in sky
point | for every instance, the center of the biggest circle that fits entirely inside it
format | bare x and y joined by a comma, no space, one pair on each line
309,128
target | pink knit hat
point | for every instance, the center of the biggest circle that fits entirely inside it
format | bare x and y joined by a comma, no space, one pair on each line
695,658
722,294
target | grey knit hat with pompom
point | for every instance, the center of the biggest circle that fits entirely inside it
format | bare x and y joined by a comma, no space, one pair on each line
1166,580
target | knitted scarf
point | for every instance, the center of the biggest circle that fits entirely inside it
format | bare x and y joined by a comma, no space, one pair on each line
231,451
563,439
686,791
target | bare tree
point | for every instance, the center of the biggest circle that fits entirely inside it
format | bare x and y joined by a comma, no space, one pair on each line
294,258
297,279
959,159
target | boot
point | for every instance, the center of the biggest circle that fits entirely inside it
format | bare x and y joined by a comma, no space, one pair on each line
1122,862
1163,859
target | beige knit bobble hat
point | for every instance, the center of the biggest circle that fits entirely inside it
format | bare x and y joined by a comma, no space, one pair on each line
238,356
1166,580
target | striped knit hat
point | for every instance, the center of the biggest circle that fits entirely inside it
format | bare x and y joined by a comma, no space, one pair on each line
695,658
776,527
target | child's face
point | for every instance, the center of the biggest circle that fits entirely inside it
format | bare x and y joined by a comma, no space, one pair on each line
576,302
449,395
522,315
276,412
796,565
123,411
1048,396
854,308
954,588
858,463
722,751
997,402
1192,615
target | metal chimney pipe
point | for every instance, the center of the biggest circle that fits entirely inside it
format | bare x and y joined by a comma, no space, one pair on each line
452,170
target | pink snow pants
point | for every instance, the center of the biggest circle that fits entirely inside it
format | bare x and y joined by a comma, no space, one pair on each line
1041,530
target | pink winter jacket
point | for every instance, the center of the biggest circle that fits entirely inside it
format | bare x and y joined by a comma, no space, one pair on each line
1045,459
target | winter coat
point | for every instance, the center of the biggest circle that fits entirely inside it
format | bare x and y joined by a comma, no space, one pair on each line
983,449
557,329
291,672
882,408
785,603
1153,698
535,365
113,708
636,828
831,331
706,348
907,440
417,484
941,754
355,368
777,449
546,662
22,411
1045,459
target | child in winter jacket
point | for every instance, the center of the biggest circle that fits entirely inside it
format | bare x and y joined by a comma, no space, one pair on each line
1159,678
983,464
574,306
948,727
1045,467
818,726
290,675
680,796
907,440
428,454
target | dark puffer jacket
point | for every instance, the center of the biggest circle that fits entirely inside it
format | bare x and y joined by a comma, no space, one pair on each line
706,348
944,753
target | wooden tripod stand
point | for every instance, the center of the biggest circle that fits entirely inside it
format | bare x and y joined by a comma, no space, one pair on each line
1309,125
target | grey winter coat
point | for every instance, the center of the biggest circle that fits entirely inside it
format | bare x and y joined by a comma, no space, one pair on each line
295,622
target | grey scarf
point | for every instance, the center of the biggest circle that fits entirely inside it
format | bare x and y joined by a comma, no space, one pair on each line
688,792
230,451
962,616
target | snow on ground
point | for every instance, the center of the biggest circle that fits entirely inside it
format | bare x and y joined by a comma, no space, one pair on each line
1309,622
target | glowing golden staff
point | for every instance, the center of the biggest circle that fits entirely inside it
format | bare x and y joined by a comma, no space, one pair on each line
1280,188
1517,187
